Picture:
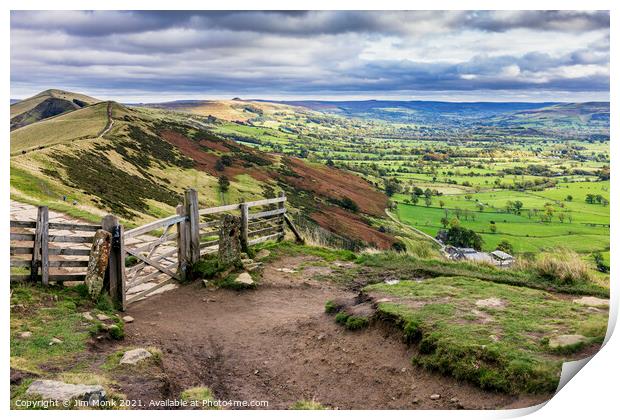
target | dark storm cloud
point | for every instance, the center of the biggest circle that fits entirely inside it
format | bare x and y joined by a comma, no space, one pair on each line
142,54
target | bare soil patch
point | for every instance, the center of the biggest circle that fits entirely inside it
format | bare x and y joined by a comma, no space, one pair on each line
276,343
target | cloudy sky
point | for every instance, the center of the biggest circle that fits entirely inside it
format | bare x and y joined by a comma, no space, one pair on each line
152,56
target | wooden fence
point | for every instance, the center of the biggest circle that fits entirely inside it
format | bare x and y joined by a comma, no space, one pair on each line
50,251
163,250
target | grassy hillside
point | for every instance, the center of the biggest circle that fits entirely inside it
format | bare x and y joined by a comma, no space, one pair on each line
140,166
47,104
85,123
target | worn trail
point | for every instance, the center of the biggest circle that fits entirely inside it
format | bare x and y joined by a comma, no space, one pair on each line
276,344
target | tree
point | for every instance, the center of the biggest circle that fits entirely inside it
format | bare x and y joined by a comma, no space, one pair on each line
415,199
223,183
219,165
517,206
493,227
505,246
462,237
468,197
444,222
561,216
590,198
392,186
441,203
569,198
428,201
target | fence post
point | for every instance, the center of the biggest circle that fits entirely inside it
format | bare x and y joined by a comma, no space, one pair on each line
182,244
244,227
36,247
45,259
281,205
115,274
191,210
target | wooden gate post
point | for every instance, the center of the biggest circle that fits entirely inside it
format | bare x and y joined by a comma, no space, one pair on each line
115,274
191,210
281,205
243,237
40,257
45,259
182,244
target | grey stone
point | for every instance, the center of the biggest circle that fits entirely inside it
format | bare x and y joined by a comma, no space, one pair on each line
55,341
25,334
128,319
229,252
263,253
87,316
566,340
435,397
60,391
131,357
244,278
98,262
102,317
592,301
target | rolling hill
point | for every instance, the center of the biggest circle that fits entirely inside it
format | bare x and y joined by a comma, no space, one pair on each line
230,110
47,104
140,165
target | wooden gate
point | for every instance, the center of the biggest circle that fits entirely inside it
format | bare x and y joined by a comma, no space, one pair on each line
164,250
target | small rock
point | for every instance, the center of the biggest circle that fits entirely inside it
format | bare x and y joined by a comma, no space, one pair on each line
102,317
60,391
392,282
263,253
286,270
592,301
256,372
494,337
87,316
204,299
435,397
320,337
244,278
566,340
492,302
131,357
454,400
55,341
403,370
205,283
415,400
128,319
25,334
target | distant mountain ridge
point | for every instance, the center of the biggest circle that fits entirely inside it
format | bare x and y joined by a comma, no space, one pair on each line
46,104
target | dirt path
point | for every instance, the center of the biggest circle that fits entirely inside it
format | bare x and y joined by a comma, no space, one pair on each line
275,343
109,124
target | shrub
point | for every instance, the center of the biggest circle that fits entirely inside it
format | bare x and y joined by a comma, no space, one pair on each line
399,246
505,246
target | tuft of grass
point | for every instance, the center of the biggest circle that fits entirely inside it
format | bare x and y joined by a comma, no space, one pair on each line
341,318
356,322
562,267
199,397
308,405
330,307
